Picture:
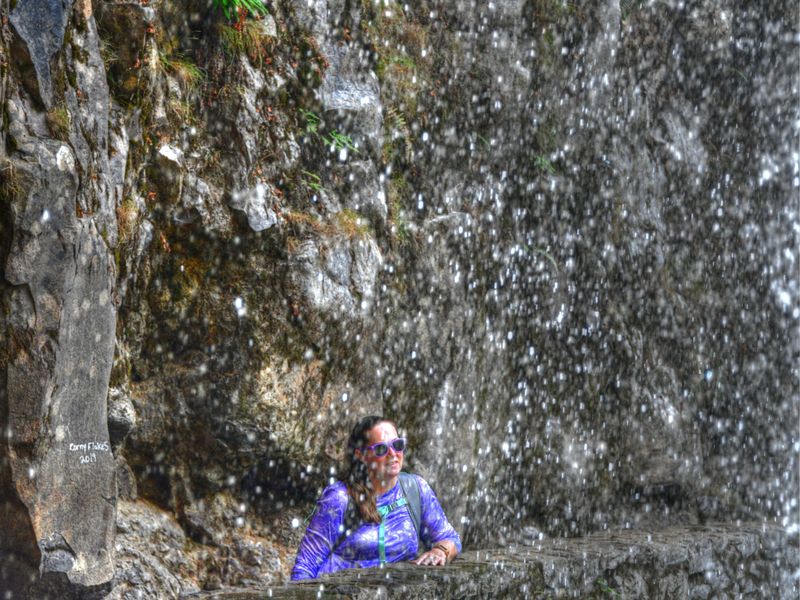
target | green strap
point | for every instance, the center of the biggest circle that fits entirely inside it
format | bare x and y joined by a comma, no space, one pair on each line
383,511
382,543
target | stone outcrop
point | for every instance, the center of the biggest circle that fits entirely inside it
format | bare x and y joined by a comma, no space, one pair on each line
59,286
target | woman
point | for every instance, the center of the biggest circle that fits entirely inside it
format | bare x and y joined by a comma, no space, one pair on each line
383,529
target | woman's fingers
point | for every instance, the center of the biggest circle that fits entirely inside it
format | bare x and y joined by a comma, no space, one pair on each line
431,559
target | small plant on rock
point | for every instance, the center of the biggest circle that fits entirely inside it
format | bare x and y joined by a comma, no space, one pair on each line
58,121
245,38
334,139
10,181
339,141
108,53
312,181
544,164
188,74
239,9
312,121
127,216
397,129
351,224
604,590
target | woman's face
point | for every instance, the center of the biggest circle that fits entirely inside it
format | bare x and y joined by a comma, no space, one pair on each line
381,468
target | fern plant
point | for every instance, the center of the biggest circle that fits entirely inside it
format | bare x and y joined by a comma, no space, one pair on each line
235,9
334,139
312,181
397,121
312,121
544,164
339,141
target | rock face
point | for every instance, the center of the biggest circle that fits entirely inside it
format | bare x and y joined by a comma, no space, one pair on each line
557,244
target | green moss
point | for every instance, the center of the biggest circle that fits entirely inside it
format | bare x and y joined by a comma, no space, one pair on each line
311,63
352,224
543,164
301,223
404,60
629,7
398,194
385,62
58,121
80,54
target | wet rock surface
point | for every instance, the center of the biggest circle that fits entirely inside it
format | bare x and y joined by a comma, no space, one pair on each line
711,561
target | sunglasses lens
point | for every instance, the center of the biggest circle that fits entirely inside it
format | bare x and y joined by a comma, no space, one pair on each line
380,449
399,444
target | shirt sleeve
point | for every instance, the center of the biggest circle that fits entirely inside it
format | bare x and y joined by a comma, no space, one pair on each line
322,532
435,526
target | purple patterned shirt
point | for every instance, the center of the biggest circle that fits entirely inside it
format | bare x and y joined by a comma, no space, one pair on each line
360,549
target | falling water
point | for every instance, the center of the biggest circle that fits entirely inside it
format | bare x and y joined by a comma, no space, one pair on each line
557,243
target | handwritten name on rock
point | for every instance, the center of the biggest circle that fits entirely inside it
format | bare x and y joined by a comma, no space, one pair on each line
89,450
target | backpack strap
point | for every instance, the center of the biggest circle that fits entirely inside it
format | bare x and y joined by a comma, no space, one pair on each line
383,511
410,485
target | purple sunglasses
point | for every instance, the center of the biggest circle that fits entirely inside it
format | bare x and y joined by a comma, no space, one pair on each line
382,448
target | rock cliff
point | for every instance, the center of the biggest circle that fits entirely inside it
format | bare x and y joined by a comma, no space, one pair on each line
557,243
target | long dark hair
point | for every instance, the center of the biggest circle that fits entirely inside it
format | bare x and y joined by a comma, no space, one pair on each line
356,475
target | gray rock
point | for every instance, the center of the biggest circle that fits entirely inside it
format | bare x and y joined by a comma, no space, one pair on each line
364,192
199,201
673,586
55,383
562,302
350,97
255,204
367,264
318,281
312,14
119,145
701,591
57,556
167,173
338,284
41,25
268,27
121,415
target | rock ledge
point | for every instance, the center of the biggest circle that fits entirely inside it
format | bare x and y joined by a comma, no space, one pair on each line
719,561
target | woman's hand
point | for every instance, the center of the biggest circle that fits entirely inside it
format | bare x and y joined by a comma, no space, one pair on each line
433,557
438,556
